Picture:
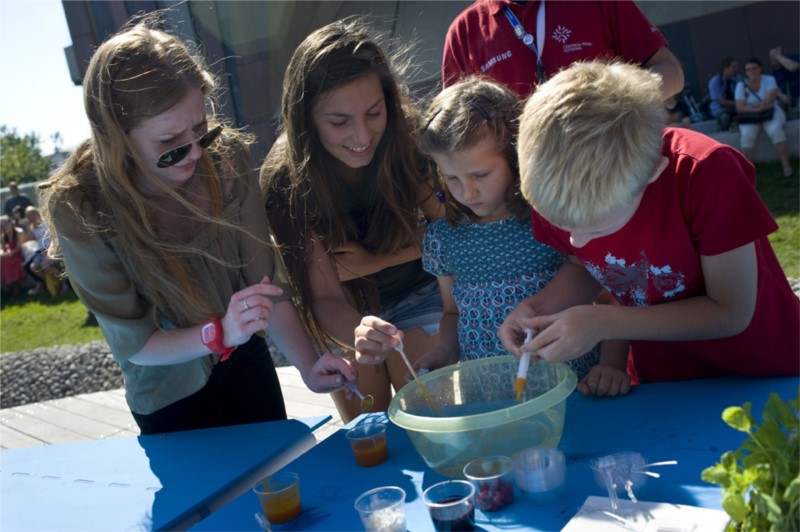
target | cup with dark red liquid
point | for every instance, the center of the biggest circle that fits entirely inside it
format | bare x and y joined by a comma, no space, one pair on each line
451,505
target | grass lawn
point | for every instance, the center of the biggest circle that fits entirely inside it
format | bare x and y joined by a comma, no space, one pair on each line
782,196
28,322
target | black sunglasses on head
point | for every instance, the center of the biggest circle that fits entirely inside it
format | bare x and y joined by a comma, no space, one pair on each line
176,155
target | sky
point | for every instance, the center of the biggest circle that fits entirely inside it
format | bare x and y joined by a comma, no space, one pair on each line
36,92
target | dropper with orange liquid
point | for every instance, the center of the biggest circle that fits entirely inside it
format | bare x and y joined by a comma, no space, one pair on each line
522,372
422,387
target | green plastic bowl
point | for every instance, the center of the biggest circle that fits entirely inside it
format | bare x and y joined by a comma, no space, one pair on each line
480,413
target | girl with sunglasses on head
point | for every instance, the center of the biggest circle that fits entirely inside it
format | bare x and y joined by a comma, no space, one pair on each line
483,252
346,189
159,220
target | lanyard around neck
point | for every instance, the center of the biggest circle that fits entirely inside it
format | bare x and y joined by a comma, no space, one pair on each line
527,38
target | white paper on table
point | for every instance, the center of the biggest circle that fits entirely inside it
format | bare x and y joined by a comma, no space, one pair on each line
645,516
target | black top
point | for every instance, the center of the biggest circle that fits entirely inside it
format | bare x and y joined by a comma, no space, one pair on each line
395,282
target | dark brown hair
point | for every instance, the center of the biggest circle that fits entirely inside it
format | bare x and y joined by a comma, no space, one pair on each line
304,193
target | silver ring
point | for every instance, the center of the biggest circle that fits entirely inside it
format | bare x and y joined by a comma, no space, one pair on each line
246,306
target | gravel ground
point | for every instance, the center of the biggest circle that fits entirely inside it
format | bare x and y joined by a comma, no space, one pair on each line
63,371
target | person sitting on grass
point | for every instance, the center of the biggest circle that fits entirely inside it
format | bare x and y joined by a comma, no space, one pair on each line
36,232
15,199
758,93
11,259
678,114
667,220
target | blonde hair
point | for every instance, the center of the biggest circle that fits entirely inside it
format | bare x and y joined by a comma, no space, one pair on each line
465,114
139,73
589,141
30,209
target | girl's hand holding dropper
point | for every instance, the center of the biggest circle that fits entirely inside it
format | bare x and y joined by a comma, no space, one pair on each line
374,338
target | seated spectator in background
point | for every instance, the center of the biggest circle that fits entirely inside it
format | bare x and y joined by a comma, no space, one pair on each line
755,94
675,230
721,88
519,43
786,71
15,199
36,262
678,114
18,217
12,273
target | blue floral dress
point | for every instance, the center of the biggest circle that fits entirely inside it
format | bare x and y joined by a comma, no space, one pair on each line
494,266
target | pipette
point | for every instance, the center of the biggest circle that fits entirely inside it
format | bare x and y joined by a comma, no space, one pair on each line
422,387
522,372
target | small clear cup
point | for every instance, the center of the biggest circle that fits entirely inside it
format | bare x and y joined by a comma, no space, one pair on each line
620,473
279,495
451,505
368,443
540,474
493,478
382,509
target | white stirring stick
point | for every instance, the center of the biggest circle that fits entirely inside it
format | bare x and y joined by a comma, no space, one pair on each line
262,521
649,473
653,464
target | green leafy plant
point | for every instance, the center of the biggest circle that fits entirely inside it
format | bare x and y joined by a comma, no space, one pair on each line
760,480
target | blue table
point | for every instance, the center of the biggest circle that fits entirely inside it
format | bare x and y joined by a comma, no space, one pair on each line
156,482
664,421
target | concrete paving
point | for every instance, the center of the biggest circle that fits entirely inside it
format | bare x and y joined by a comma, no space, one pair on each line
102,415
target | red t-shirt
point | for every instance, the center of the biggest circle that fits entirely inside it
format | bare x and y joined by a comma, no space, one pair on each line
481,39
704,203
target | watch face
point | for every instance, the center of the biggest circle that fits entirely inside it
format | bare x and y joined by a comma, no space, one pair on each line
207,333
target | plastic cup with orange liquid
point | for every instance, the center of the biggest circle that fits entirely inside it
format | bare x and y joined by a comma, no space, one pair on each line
368,442
279,495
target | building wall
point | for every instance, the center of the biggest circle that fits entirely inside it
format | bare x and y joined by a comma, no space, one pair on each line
255,41
249,43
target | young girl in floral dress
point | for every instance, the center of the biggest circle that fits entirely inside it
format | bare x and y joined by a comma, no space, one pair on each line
483,252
